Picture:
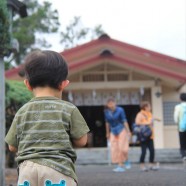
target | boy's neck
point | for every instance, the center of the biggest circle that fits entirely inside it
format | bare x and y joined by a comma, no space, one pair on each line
47,92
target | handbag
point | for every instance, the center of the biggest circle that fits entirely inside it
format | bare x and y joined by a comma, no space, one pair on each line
143,132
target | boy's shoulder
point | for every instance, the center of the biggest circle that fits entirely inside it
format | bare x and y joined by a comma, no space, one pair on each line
48,102
66,104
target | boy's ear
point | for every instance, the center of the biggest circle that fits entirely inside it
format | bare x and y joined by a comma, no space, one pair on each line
27,84
63,84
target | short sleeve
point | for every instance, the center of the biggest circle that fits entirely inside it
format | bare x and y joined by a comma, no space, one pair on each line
11,137
78,125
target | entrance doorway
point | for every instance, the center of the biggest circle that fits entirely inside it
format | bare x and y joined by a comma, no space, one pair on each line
131,112
94,116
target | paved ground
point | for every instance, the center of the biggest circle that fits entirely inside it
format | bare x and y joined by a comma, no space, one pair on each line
102,175
168,175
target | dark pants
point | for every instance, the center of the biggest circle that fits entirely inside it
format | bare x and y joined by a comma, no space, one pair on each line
182,143
150,145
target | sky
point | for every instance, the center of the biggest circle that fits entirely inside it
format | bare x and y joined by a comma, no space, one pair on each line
157,25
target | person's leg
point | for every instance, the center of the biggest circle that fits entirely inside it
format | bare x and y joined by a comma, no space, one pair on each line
27,174
143,154
48,176
33,174
182,136
150,144
124,149
114,148
116,153
123,146
143,151
184,144
152,164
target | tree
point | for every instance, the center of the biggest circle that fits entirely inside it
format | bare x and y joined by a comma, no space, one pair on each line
4,28
16,95
41,19
75,34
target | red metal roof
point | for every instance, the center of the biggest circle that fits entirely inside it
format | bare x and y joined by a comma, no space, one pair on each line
123,53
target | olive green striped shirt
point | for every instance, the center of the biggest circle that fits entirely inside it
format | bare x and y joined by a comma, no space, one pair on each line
42,131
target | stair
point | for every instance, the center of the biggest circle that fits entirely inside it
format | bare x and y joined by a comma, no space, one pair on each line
102,155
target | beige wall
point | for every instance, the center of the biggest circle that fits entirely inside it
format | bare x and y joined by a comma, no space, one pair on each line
157,111
171,138
183,88
173,94
170,95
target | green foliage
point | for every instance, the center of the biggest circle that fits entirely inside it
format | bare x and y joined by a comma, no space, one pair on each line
16,93
75,34
4,28
41,19
16,96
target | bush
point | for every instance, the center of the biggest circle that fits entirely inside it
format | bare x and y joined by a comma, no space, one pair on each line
16,96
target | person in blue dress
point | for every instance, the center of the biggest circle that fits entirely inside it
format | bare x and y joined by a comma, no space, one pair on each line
118,133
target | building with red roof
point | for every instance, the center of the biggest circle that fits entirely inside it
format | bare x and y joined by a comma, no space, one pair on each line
105,68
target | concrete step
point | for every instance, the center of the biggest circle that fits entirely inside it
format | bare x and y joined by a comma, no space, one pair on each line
102,155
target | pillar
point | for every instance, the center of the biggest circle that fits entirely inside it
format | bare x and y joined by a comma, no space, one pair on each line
157,111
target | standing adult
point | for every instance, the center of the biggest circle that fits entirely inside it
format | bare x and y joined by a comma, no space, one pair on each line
118,132
180,119
144,118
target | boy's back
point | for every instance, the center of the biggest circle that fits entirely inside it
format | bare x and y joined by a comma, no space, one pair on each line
46,128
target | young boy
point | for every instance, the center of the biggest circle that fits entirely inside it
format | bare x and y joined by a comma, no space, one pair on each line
45,130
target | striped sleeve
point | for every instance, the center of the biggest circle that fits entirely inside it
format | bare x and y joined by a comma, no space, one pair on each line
78,126
11,137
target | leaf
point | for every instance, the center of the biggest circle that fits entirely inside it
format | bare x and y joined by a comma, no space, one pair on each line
41,19
16,92
75,34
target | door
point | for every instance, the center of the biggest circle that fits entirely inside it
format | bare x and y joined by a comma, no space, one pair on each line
94,116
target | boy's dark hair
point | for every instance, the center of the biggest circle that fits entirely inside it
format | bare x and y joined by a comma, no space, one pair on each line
183,96
45,68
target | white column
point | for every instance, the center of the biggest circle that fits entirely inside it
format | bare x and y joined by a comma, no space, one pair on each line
157,111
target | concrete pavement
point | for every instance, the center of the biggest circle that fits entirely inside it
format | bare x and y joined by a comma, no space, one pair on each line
102,175
168,175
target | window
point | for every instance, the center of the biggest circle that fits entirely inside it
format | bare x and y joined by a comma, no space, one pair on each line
117,77
93,77
168,112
